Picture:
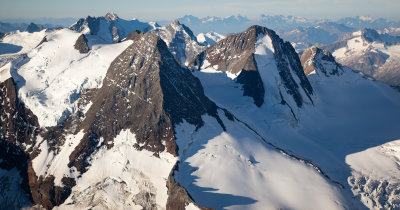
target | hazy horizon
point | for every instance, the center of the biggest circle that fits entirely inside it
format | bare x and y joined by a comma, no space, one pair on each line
169,10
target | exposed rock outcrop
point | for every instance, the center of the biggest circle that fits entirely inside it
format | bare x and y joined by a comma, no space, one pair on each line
81,44
317,61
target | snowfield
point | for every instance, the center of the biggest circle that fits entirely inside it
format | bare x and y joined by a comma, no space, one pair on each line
235,169
376,175
25,40
123,178
51,77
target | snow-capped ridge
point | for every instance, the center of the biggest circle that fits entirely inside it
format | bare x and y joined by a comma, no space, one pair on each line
110,27
375,54
111,16
247,57
180,40
321,62
210,38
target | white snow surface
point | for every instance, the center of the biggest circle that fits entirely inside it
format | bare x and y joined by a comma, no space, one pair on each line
50,163
191,206
235,169
53,75
376,175
27,41
209,38
122,178
5,72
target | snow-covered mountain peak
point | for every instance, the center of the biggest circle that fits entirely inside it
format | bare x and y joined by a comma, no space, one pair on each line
180,40
375,54
320,62
110,28
210,38
111,16
259,60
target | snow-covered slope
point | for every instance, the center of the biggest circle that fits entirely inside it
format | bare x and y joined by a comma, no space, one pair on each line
180,41
16,43
27,41
341,121
51,77
234,168
368,51
210,38
361,104
111,28
375,175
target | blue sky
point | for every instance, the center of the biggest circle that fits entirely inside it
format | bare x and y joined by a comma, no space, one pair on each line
170,9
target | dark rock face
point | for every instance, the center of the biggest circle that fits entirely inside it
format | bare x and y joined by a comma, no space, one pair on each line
158,93
236,54
320,61
41,42
252,86
91,22
133,35
81,44
33,28
178,197
18,129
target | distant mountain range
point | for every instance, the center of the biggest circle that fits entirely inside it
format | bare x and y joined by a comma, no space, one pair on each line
280,23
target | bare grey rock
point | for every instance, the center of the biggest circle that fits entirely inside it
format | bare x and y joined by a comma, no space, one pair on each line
81,44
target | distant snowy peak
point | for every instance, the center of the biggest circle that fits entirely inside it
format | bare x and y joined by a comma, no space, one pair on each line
320,62
111,16
259,60
180,41
210,38
110,27
391,31
375,54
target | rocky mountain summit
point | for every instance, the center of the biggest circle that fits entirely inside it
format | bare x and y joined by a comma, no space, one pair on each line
110,27
180,41
244,56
